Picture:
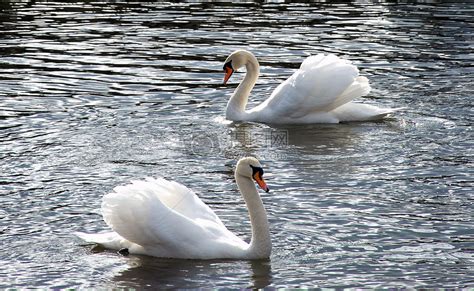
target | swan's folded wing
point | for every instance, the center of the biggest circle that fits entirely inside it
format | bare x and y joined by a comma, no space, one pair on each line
180,198
157,211
322,83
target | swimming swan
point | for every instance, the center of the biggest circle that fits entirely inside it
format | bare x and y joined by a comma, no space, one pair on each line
320,91
161,218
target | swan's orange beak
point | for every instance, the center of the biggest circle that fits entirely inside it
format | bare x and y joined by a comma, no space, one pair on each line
228,72
261,183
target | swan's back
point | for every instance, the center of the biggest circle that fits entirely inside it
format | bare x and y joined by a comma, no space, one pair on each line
173,195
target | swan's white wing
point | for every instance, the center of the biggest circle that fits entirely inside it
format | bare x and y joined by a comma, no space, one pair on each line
180,198
158,212
323,83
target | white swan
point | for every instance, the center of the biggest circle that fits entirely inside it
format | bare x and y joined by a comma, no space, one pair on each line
321,91
160,218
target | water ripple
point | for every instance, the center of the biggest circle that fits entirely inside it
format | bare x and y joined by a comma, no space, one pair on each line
93,95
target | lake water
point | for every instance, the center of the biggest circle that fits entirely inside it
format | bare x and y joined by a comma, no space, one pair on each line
95,94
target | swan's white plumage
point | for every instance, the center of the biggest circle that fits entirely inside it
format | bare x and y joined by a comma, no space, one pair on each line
158,210
314,92
166,219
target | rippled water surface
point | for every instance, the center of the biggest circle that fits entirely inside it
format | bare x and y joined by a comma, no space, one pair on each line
93,95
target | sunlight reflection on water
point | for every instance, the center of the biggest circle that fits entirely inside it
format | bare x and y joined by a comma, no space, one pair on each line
93,95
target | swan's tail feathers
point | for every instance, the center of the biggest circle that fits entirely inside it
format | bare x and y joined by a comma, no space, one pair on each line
388,111
91,237
384,112
109,240
361,112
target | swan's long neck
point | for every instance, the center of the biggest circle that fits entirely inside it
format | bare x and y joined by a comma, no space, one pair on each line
260,244
238,101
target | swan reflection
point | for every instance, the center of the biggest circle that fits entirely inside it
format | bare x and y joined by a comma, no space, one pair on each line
148,272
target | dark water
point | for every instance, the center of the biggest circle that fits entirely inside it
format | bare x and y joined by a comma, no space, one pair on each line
93,95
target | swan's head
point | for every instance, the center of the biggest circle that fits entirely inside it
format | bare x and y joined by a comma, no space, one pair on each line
235,61
251,168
